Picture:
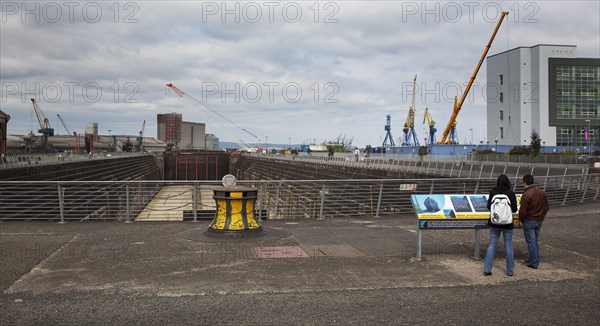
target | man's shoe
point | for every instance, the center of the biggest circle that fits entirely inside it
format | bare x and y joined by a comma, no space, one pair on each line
531,266
487,273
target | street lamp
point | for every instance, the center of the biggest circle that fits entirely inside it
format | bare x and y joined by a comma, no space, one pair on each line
267,144
471,135
589,136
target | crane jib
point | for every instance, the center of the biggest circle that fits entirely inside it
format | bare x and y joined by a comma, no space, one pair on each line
458,104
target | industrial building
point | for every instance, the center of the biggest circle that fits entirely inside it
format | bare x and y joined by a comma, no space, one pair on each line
3,131
212,142
183,134
547,89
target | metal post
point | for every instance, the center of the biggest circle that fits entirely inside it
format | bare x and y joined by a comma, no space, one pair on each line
476,251
196,201
567,192
419,240
379,199
60,204
127,202
477,186
322,202
260,201
586,182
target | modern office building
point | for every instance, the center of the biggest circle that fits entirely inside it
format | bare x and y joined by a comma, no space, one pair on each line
547,89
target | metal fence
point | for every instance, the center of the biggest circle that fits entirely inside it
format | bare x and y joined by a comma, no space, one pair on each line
454,168
278,199
21,160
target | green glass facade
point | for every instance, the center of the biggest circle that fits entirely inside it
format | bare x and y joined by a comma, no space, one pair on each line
576,98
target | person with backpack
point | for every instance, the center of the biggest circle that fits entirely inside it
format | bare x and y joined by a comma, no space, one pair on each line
502,202
534,206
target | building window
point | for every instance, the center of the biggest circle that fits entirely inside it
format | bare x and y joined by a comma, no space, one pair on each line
501,132
501,97
501,79
501,115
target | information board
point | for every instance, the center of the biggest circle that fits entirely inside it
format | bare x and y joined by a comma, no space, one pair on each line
442,211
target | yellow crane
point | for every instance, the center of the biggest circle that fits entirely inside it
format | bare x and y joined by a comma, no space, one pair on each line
410,136
451,127
431,124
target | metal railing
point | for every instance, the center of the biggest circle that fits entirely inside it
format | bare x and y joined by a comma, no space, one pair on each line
278,199
452,168
21,160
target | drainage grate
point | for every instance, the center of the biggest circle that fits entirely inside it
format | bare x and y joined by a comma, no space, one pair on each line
274,252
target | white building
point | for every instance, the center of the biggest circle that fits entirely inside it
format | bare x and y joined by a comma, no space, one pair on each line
545,88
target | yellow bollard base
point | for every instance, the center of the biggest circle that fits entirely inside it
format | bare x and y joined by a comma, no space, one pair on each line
234,234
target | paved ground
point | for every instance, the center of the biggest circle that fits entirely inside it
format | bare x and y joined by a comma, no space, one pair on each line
347,272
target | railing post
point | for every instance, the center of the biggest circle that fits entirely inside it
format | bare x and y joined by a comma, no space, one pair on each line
260,201
195,202
60,204
127,204
567,192
585,187
379,199
431,188
322,202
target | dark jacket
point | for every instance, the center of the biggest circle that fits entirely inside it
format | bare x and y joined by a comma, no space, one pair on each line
534,204
513,204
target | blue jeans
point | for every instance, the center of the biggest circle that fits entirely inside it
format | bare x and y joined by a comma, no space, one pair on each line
531,231
508,247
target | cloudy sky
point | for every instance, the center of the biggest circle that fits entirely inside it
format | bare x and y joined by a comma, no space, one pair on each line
292,71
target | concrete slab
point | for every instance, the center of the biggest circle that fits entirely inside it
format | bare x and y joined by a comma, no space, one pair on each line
168,204
138,264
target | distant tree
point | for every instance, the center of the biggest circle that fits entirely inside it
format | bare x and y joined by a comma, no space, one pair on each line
536,143
422,152
520,150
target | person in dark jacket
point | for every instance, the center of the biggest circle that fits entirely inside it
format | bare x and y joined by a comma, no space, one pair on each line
502,187
534,206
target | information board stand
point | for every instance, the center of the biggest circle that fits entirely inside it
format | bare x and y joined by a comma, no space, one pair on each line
442,212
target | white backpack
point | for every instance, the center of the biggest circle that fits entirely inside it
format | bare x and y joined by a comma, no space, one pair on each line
500,210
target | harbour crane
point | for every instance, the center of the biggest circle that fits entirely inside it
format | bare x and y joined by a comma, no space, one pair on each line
205,110
45,127
449,135
140,138
65,125
431,124
388,134
410,136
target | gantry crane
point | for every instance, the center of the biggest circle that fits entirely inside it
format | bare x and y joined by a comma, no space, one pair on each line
205,110
451,127
140,138
45,128
431,124
410,135
388,134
